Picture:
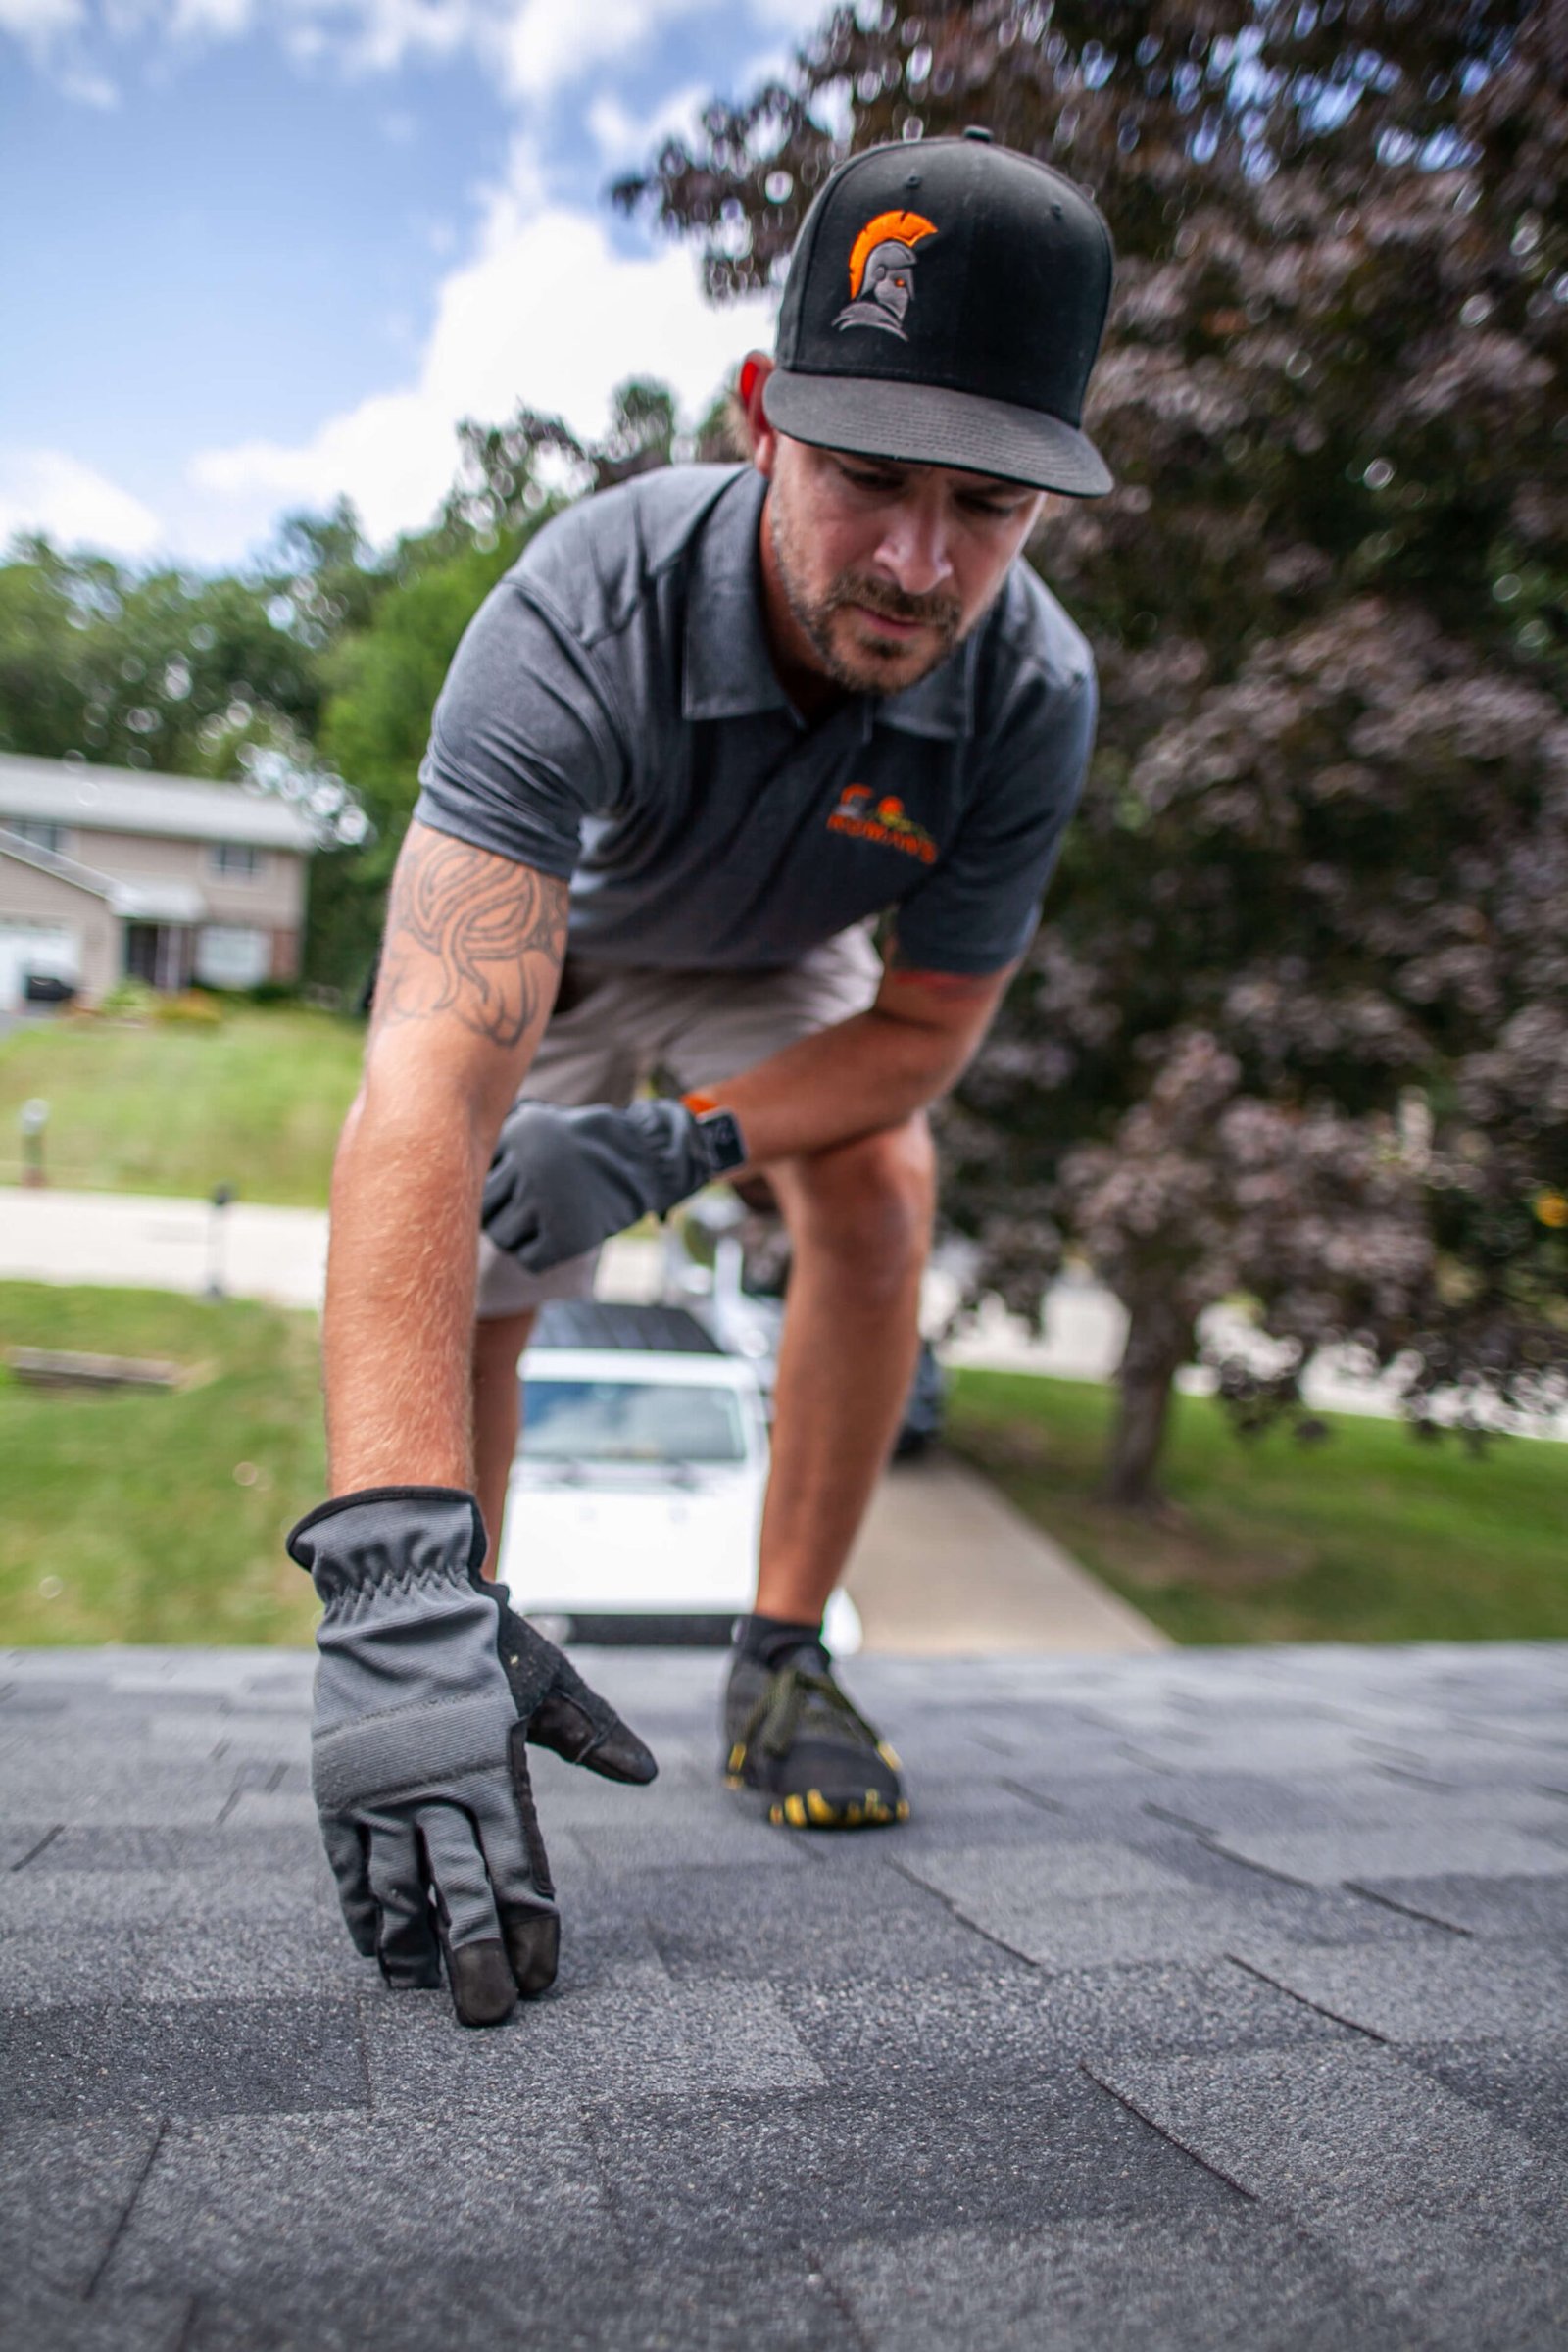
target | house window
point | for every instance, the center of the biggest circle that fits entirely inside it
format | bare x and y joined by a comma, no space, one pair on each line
229,957
33,829
236,858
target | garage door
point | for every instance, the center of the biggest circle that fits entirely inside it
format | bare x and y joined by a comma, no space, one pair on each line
52,948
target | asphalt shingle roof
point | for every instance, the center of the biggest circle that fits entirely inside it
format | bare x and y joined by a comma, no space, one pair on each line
1210,1999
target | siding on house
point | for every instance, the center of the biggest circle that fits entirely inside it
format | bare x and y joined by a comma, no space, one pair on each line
152,872
29,895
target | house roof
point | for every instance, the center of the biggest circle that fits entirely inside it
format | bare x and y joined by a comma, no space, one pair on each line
147,901
1210,1998
117,799
69,870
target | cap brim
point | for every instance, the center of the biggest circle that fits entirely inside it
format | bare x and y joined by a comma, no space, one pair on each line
927,424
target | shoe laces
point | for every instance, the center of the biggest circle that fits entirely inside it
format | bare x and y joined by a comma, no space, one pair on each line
793,1696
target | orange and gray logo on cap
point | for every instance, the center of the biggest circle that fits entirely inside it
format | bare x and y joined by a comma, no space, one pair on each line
882,272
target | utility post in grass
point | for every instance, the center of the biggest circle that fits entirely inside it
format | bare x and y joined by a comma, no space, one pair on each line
32,1119
223,1194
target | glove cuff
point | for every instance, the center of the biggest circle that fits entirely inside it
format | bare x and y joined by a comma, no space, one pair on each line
379,1538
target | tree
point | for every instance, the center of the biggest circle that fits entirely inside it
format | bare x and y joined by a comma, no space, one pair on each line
1292,1023
385,677
322,662
376,724
143,670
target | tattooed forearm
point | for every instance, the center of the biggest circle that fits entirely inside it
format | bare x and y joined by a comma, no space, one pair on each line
472,935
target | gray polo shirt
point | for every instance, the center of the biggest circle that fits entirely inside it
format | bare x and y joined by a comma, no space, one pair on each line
613,715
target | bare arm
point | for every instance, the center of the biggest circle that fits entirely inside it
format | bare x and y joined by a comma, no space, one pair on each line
868,1073
468,972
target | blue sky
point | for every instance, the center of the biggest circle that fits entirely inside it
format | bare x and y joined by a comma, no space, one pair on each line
254,252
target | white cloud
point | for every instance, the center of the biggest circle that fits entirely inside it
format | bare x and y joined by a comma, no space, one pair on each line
37,22
550,44
548,314
795,16
623,137
536,47
88,87
47,490
210,19
544,309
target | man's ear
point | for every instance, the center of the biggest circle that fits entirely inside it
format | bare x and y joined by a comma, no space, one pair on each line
756,368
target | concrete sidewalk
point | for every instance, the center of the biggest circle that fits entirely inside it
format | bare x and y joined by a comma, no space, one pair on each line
148,1243
946,1567
281,1254
255,1251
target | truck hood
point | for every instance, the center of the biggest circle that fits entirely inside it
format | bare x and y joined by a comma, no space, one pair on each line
643,1543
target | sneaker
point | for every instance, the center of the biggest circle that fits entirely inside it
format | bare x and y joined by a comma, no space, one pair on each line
792,1735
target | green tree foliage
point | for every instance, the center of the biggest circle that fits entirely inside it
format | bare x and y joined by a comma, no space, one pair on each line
385,676
144,670
320,663
377,722
1297,1021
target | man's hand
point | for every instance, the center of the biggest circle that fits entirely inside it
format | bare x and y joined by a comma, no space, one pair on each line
564,1181
418,1759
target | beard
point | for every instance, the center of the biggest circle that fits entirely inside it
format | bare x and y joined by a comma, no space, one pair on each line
868,666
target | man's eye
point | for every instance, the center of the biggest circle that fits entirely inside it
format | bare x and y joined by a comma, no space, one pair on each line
883,484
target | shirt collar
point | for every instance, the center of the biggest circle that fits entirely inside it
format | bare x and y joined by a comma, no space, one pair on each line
729,668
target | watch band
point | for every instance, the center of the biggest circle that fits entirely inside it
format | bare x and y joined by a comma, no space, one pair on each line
723,1139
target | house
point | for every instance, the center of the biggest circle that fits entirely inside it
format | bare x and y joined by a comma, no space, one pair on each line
106,873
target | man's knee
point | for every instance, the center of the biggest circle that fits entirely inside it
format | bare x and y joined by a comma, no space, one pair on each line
868,1203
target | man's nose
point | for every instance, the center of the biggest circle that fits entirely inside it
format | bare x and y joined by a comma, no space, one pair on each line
913,550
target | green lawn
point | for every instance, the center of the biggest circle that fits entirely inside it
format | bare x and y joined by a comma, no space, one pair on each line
1371,1536
130,1501
255,1101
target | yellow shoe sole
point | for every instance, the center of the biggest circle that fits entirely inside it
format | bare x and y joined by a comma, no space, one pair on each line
815,1811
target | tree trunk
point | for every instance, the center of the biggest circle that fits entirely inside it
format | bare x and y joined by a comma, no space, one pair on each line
1159,1341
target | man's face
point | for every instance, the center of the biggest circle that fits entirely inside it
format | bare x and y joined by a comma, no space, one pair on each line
885,568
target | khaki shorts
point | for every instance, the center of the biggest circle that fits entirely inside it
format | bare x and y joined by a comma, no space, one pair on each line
613,1026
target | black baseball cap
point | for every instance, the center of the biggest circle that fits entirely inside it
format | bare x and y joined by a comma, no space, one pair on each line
944,307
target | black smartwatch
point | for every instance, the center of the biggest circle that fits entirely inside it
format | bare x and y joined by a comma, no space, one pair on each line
722,1141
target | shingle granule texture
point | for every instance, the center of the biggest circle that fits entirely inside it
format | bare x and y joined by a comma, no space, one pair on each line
1210,1999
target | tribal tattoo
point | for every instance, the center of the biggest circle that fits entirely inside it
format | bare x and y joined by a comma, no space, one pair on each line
471,934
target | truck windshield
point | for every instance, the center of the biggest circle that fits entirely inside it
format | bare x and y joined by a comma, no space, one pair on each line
629,1421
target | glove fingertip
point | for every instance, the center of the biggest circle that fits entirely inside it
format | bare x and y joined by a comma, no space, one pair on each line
621,1756
484,1990
533,1948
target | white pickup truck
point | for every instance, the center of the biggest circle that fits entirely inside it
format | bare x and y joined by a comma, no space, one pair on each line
636,1497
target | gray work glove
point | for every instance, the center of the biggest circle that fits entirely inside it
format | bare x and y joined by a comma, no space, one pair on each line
418,1755
556,1706
564,1181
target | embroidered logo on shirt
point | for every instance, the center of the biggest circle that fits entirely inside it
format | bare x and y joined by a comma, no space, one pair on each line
882,272
882,821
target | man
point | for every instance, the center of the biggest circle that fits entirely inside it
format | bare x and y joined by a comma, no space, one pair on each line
713,724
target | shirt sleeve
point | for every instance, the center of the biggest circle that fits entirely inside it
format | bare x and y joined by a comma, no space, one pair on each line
979,906
525,744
